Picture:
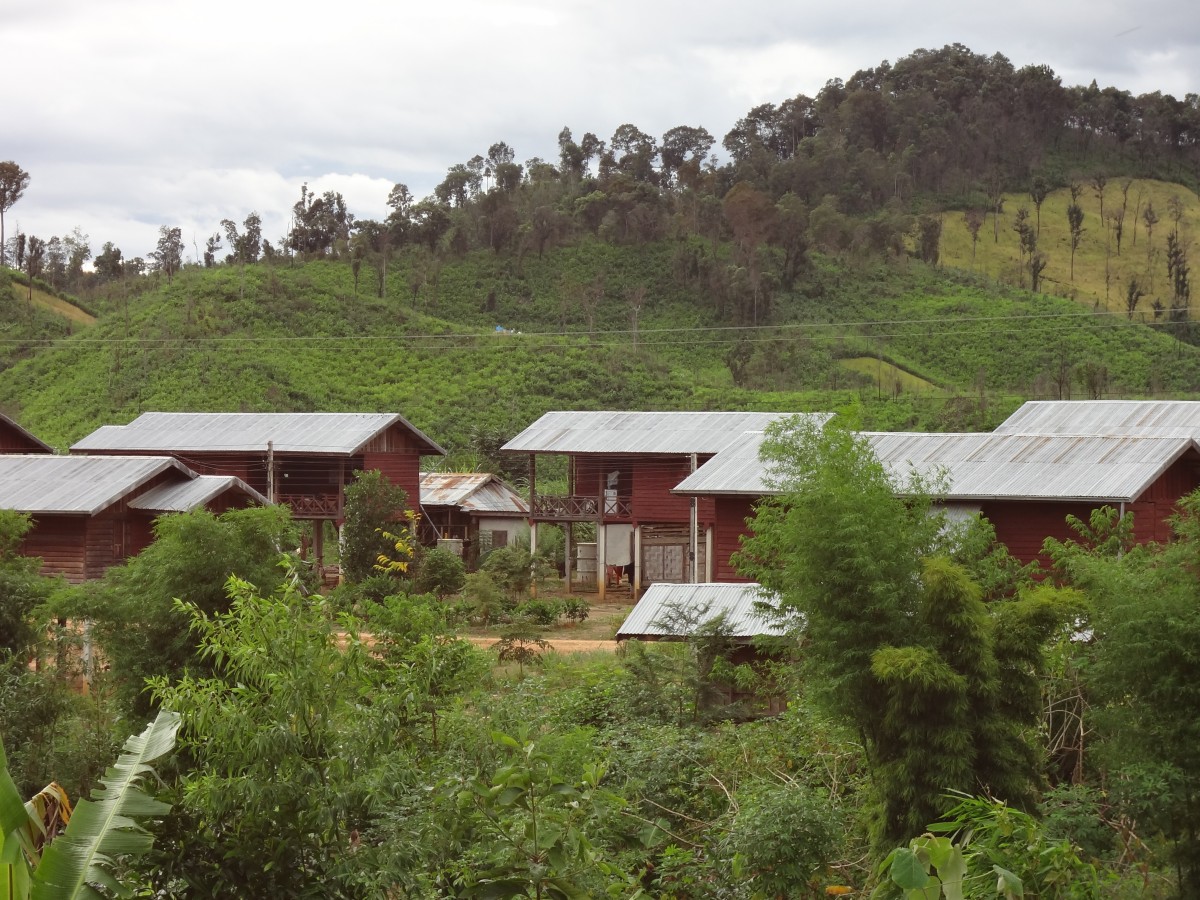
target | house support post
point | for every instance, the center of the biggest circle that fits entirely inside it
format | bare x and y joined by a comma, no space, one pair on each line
601,549
318,544
694,547
533,559
637,562
708,554
601,558
567,556
270,471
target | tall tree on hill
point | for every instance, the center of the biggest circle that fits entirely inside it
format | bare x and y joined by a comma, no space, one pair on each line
13,181
1150,218
400,201
995,195
319,224
1181,288
1099,183
973,221
1039,190
1075,223
35,258
682,146
108,262
168,253
634,153
1026,236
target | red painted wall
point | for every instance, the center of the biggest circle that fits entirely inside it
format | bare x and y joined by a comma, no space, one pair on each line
730,525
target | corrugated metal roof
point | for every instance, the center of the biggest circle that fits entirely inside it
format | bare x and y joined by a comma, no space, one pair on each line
477,492
735,470
639,432
340,434
41,483
189,495
25,432
1031,467
739,603
980,466
1149,418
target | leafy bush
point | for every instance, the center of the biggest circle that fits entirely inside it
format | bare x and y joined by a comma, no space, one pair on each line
541,612
440,572
509,569
783,835
487,603
373,504
576,609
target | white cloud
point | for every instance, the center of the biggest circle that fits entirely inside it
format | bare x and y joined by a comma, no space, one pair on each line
153,112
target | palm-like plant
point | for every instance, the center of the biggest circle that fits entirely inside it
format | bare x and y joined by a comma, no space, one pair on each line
39,863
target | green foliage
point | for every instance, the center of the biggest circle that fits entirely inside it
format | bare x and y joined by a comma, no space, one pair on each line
73,864
541,612
22,589
522,643
373,504
440,572
511,569
283,737
576,609
1141,674
897,640
531,830
141,630
982,848
486,603
783,836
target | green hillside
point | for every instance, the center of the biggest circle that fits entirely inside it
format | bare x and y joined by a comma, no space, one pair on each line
298,337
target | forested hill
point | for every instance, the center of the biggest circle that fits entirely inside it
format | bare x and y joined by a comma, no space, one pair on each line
928,242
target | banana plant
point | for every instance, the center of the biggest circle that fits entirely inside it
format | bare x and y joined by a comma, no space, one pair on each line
39,863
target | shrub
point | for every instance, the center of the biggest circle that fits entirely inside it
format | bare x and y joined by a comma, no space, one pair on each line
784,834
372,504
541,612
509,569
441,573
576,609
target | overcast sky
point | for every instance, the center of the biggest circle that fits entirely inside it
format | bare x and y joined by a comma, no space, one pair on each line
131,114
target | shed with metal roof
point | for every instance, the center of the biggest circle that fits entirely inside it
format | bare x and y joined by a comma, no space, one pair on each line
470,512
678,611
1142,418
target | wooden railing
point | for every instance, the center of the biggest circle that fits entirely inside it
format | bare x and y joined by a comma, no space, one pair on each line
312,506
581,509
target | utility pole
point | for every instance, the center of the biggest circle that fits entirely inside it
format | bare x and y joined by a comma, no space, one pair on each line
270,471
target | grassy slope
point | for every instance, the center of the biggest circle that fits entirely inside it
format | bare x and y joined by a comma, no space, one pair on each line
1100,286
298,338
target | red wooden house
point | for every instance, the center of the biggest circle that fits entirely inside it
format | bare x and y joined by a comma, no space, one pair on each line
15,439
304,460
620,470
90,513
1024,484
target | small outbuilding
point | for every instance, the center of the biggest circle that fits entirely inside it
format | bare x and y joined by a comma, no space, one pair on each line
469,513
739,614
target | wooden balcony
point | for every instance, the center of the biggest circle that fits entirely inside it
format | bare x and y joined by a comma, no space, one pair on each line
313,506
580,509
